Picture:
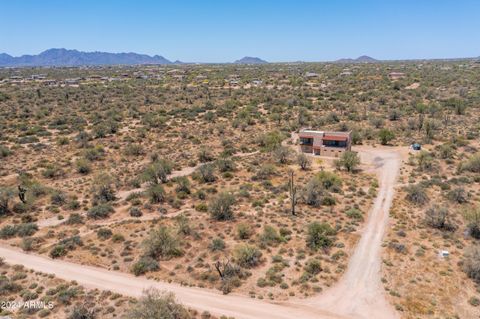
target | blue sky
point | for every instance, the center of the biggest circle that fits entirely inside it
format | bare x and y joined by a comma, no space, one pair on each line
222,31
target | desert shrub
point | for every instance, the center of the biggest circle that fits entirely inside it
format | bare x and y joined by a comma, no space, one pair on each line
156,193
220,207
53,171
65,294
6,194
281,154
74,219
205,155
104,233
4,151
21,230
144,265
225,164
471,263
349,161
58,198
416,194
58,251
7,231
157,172
354,213
158,305
134,150
21,208
183,224
117,238
424,161
183,185
270,236
27,243
100,211
206,173
231,277
103,189
385,136
94,154
458,195
26,229
330,181
83,166
247,256
8,286
313,267
38,190
472,216
70,243
313,192
244,231
73,204
439,217
135,212
472,164
445,151
319,235
82,312
161,243
264,172
269,141
217,244
303,161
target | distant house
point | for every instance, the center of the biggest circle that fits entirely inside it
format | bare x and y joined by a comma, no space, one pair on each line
311,75
345,73
73,81
396,75
325,143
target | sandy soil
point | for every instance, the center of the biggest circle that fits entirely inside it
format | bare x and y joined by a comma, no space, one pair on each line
122,195
359,294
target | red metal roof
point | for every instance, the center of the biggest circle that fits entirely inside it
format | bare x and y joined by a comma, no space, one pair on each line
334,138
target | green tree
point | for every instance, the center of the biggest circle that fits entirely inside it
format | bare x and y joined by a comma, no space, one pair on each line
349,161
320,235
385,136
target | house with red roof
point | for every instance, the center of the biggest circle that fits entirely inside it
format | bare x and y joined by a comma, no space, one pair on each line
325,143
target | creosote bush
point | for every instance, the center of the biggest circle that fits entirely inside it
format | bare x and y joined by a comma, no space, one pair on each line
247,256
320,236
220,207
162,243
101,211
155,304
416,194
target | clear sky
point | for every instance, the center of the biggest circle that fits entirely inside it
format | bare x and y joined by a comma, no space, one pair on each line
223,31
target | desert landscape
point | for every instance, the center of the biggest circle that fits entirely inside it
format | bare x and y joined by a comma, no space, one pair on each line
192,175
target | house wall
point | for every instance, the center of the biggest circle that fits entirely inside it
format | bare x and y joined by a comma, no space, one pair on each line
332,151
318,148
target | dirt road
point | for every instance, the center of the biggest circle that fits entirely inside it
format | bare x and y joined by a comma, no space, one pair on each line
359,293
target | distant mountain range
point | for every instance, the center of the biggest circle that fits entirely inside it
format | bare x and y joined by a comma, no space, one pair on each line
250,60
64,57
360,59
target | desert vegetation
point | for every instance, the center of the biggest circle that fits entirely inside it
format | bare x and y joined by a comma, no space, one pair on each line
188,174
